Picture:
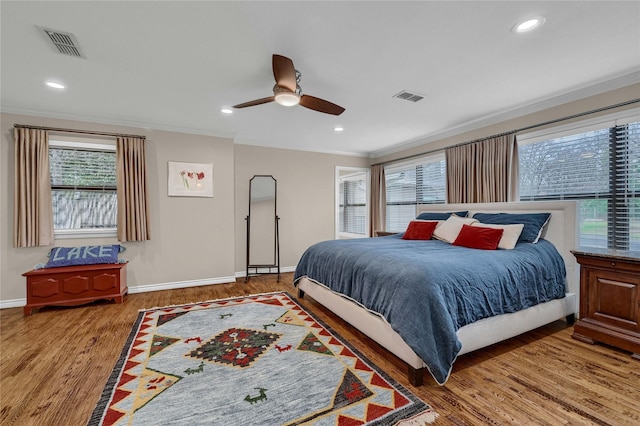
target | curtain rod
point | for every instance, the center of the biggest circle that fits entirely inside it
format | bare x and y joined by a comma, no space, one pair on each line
557,120
85,132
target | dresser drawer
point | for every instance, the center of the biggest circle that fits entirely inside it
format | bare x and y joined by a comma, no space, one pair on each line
609,301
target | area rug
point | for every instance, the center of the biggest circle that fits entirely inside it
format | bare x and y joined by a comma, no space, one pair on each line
256,360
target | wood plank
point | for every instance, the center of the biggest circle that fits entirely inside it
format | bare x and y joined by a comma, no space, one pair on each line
54,365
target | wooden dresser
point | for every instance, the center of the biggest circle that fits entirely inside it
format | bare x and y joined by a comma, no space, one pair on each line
75,285
609,299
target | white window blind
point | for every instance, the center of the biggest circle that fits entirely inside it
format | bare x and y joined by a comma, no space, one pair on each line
83,186
352,204
598,168
420,181
624,210
565,167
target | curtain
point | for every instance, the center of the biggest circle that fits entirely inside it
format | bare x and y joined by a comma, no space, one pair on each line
483,172
133,214
378,205
32,209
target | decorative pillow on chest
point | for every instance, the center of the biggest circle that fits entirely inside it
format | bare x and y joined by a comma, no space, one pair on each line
83,255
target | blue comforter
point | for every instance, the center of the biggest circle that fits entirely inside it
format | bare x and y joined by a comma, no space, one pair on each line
427,290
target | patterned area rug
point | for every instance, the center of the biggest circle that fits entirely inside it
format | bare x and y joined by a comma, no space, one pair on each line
257,360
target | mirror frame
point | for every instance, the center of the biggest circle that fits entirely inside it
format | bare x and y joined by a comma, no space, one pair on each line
276,260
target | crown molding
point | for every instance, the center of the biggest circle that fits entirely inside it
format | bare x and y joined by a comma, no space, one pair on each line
115,122
516,112
249,142
475,124
178,129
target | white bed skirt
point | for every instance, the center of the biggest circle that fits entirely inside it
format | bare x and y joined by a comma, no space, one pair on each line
472,336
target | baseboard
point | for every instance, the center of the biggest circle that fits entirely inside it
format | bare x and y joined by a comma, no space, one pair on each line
180,284
19,303
13,303
283,269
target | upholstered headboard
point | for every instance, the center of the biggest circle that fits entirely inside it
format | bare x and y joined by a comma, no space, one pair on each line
561,229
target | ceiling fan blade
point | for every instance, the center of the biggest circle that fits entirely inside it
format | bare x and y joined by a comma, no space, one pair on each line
321,105
256,102
284,72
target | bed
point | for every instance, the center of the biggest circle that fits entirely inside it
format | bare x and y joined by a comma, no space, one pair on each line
386,313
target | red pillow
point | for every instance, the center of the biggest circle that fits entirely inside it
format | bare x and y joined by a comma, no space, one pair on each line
419,230
478,237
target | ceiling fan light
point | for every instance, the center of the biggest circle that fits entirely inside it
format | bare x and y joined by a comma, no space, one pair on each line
287,98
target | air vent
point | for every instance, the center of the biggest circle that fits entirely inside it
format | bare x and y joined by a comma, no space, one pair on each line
409,96
64,43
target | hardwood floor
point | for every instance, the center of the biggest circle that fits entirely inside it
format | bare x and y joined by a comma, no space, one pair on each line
55,363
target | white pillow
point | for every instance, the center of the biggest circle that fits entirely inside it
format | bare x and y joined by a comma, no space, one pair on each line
449,229
509,236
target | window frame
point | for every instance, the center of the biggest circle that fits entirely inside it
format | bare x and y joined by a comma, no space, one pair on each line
343,172
610,123
70,142
415,163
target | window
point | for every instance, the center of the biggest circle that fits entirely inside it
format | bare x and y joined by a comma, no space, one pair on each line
352,202
599,166
83,188
420,181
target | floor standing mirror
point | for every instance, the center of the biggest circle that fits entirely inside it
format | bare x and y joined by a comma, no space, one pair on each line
263,243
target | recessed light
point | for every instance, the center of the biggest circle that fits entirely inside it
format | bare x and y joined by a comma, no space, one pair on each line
226,111
338,129
54,84
529,24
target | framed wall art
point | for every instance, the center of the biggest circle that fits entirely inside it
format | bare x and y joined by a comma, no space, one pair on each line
190,179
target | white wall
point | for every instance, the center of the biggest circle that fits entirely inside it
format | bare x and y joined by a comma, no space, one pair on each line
194,241
191,239
306,196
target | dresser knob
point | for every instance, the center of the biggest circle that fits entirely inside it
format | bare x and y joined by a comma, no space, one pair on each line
613,263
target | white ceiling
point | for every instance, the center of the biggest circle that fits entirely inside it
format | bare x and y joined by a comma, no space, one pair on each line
174,65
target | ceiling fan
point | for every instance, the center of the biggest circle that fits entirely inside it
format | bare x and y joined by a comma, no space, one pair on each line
287,90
